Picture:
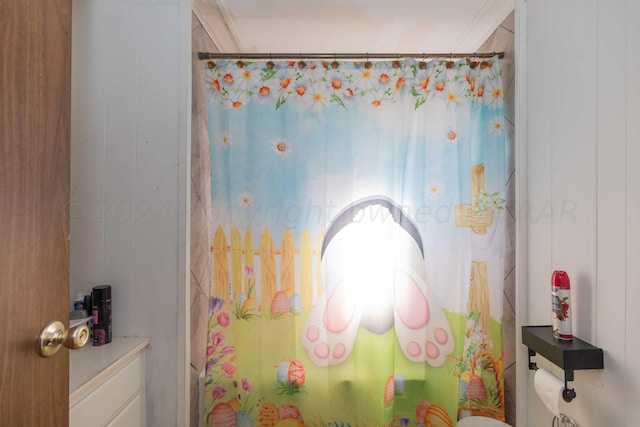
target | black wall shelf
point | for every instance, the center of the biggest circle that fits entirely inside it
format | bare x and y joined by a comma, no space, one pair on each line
571,355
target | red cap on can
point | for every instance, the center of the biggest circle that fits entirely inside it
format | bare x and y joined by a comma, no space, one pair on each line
560,279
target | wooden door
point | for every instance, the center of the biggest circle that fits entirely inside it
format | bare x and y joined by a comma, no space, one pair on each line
35,83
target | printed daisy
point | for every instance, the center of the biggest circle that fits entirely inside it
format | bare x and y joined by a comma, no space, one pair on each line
381,79
401,79
300,90
454,94
285,78
376,98
248,78
237,99
493,94
245,199
214,86
336,81
365,79
496,125
267,91
439,87
421,81
281,147
317,98
434,189
229,77
225,140
453,136
339,88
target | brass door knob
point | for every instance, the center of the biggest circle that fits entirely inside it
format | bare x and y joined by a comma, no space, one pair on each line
54,335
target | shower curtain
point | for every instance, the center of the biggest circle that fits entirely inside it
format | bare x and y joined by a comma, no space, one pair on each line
358,244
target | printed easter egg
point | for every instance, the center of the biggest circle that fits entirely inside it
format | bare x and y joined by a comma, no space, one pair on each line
280,303
295,374
421,409
283,372
388,391
296,302
437,416
398,382
476,389
243,419
268,416
222,415
289,411
463,387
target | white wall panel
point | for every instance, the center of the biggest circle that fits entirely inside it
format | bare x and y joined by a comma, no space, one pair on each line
609,398
157,178
129,141
631,299
574,154
589,99
537,205
88,109
120,162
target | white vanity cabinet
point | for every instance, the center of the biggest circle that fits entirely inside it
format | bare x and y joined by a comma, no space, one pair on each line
107,384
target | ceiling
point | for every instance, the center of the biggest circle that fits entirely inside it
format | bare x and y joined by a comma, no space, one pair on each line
350,26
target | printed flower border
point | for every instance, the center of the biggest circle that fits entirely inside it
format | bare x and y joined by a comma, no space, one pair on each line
320,84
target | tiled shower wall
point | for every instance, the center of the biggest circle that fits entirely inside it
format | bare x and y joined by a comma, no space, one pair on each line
200,213
502,40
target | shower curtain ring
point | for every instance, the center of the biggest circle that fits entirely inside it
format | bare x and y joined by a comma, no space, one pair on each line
335,64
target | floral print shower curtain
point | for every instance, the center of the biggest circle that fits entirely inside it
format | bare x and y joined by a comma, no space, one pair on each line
358,243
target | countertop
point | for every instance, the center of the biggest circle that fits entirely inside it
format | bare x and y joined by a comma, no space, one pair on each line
90,365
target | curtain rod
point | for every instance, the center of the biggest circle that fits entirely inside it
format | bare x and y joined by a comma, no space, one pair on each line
365,56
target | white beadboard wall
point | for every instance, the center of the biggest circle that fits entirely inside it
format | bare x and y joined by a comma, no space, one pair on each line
581,199
129,179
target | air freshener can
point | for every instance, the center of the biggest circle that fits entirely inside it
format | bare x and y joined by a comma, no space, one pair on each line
101,315
561,305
